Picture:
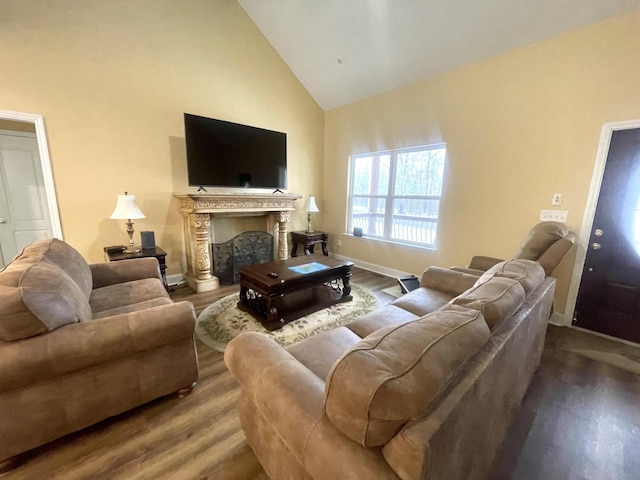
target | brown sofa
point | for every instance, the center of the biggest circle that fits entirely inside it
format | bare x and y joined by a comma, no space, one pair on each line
80,343
423,388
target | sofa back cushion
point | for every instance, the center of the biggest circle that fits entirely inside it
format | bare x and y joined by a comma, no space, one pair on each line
540,238
396,373
37,296
528,273
497,299
64,256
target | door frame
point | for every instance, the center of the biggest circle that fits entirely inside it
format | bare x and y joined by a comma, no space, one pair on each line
582,243
45,163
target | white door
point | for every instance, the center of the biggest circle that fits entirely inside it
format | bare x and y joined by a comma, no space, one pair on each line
24,213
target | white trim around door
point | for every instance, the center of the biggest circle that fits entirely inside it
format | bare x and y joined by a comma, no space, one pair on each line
45,161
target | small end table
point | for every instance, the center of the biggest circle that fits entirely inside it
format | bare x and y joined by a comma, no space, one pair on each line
309,240
156,252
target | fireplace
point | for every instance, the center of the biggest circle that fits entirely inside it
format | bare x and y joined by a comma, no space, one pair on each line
248,248
200,210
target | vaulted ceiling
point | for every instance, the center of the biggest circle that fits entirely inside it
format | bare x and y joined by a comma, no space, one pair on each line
347,50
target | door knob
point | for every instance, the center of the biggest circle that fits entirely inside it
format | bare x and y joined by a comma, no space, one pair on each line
596,246
3,220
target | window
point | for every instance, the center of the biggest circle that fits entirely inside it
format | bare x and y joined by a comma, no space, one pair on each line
395,195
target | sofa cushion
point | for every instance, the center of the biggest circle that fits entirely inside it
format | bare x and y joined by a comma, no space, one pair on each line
497,299
113,297
447,280
42,299
400,370
529,273
422,301
319,352
64,256
383,317
133,307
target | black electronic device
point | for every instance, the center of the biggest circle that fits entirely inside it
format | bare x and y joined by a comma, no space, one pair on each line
148,240
115,249
408,284
226,154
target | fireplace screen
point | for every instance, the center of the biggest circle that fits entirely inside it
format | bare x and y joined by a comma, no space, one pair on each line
248,248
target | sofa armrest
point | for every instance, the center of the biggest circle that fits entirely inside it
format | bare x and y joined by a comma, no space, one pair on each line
286,392
122,271
447,281
467,270
81,345
291,399
478,262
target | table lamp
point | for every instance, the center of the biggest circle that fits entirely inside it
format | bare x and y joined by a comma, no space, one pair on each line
127,209
310,207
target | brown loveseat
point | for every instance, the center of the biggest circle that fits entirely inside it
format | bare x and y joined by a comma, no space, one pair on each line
80,343
422,388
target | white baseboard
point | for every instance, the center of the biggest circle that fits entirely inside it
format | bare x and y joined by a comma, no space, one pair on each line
175,279
372,267
559,320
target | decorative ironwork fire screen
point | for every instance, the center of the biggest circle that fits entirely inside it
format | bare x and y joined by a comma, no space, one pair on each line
248,248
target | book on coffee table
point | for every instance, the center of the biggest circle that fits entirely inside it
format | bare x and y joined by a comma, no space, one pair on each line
309,268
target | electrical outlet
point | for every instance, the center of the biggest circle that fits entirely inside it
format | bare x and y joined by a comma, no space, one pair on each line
556,201
338,243
554,216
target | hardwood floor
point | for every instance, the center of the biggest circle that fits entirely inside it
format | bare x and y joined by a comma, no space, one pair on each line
579,420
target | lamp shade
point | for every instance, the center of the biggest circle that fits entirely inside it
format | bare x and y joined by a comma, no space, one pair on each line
127,208
311,205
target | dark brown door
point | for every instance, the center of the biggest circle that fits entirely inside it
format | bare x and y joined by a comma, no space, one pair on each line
609,295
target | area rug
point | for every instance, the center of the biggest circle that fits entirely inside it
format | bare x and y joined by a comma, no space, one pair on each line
223,320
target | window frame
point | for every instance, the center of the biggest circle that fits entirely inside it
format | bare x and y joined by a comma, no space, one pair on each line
391,196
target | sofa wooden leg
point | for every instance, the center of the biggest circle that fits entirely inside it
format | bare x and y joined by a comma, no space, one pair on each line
183,392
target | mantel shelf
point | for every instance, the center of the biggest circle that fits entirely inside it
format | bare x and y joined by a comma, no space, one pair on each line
237,202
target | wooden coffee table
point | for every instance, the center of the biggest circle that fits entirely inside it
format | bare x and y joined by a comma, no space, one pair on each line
281,291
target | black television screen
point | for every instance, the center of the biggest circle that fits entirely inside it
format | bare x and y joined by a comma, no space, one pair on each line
226,154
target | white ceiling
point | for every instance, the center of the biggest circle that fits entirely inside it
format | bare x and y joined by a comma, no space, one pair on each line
384,44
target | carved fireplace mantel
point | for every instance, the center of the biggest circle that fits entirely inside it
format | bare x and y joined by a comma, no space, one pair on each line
199,209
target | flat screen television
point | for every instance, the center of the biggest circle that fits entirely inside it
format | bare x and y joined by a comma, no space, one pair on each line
226,154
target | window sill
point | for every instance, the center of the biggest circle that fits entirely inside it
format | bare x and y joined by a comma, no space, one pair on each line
396,243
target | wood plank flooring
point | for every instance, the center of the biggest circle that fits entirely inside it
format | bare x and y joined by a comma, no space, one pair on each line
579,420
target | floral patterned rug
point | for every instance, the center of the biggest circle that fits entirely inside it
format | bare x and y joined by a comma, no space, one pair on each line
223,320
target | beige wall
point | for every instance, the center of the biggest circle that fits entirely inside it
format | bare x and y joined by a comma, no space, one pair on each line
112,80
518,127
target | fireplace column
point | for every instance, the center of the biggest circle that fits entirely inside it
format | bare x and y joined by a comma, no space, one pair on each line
199,278
283,219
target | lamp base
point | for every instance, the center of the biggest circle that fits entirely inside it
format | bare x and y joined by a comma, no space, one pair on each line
132,249
308,230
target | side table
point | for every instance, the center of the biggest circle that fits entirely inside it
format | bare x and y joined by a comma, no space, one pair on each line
309,240
156,252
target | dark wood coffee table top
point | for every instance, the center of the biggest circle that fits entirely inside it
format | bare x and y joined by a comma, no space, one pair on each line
281,294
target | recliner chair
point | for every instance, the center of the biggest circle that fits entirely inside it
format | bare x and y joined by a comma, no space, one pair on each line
547,243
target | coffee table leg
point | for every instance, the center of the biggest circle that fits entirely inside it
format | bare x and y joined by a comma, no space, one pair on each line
243,295
346,287
273,316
